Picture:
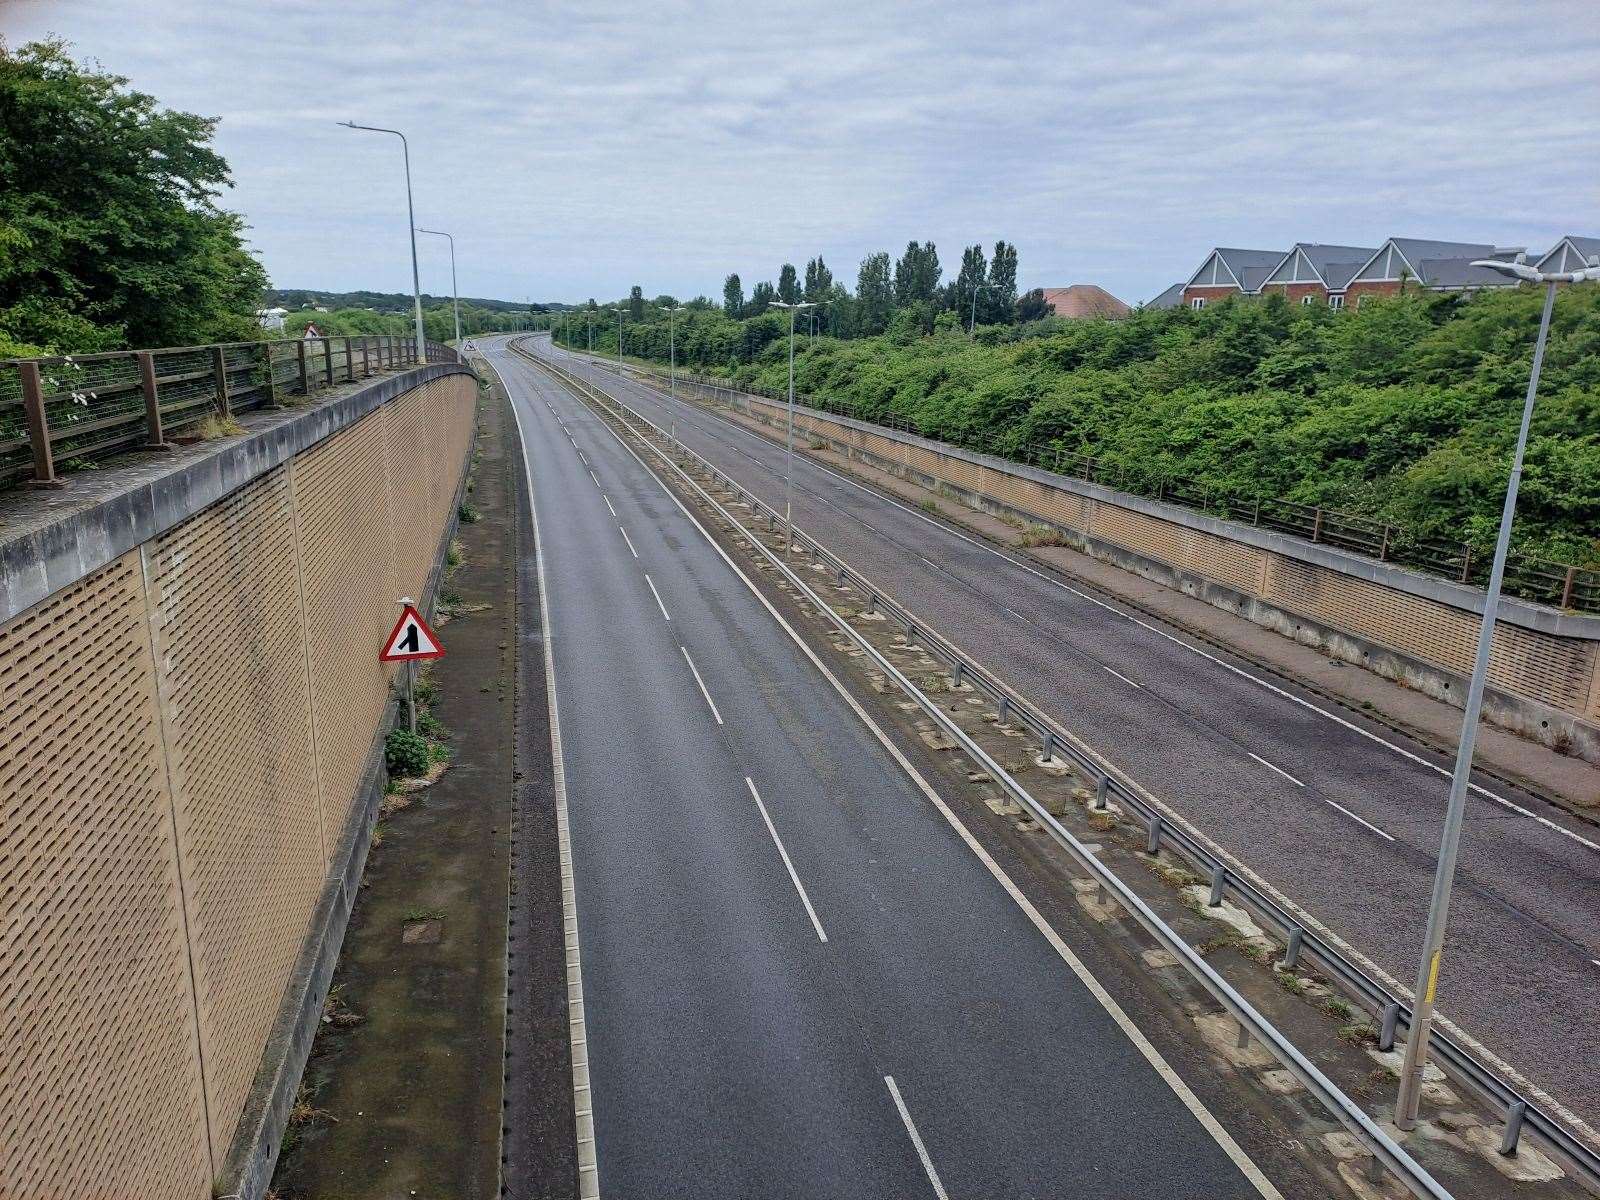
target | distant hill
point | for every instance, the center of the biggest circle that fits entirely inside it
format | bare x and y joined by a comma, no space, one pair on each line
389,302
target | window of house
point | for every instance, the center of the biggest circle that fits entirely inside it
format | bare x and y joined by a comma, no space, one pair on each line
1305,299
1335,301
1198,302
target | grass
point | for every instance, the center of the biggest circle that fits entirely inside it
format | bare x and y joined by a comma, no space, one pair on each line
1291,983
454,556
424,914
1041,535
929,505
219,427
468,515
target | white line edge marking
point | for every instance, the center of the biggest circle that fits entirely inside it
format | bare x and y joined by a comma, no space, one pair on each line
629,540
1123,677
665,614
1159,632
1276,770
916,1140
794,875
1107,1001
595,477
709,701
607,499
582,1095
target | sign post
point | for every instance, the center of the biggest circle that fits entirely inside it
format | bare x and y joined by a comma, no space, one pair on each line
409,641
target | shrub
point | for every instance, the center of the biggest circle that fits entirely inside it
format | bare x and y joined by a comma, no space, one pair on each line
406,753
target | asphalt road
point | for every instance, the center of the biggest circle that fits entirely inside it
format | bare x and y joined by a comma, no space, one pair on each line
798,979
1340,814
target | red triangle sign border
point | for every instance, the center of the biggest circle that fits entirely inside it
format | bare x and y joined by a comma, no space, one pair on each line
392,649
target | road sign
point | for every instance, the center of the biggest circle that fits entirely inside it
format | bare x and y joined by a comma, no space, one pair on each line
411,639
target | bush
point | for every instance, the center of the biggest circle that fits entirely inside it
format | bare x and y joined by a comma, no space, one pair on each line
405,753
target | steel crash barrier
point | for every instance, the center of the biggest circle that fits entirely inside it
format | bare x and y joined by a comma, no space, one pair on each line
78,409
1302,942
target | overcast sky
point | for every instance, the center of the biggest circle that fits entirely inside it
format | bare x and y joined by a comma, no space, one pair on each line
577,149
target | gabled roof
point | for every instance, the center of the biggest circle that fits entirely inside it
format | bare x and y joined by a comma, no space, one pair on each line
1227,266
1317,262
1571,253
1409,253
1460,273
1081,300
1170,298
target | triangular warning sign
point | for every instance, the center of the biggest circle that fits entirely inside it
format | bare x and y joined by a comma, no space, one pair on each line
411,639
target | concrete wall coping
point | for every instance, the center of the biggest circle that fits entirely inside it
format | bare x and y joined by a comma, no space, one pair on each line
1514,611
53,538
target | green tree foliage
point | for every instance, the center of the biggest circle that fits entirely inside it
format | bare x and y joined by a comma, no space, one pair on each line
788,284
761,296
110,234
974,272
1031,307
916,275
732,296
1404,409
636,303
874,295
998,304
819,280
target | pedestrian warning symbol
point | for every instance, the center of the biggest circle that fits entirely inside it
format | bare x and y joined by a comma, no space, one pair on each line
411,639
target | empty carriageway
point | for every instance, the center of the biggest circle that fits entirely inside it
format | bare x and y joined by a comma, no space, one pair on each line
1337,813
800,977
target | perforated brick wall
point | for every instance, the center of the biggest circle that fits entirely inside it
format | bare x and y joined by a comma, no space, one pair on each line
185,730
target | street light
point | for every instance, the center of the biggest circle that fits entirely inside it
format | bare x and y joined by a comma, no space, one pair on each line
788,466
455,292
672,348
1405,1115
972,328
619,311
411,224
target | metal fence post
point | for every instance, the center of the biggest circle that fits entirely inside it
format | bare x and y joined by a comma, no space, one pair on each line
1391,1022
327,360
305,374
152,400
219,376
44,466
271,376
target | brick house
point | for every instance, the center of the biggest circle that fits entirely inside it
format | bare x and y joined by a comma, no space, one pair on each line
1436,266
1316,273
1229,272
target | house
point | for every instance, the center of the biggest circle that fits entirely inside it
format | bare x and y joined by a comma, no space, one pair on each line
1170,298
1229,272
1081,301
271,318
1313,272
1571,253
1436,266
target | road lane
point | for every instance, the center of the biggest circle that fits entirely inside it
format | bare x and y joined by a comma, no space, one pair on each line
1342,824
732,1050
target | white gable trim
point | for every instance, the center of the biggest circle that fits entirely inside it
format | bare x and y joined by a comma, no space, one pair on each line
1222,263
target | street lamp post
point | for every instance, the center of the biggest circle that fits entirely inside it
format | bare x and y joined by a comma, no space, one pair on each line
788,466
1410,1094
411,224
455,292
672,349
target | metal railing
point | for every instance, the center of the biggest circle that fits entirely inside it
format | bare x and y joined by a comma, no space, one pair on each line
79,408
1561,585
1302,941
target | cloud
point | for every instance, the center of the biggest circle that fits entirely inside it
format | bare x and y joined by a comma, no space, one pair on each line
575,151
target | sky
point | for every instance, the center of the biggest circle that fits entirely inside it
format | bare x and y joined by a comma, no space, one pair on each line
577,149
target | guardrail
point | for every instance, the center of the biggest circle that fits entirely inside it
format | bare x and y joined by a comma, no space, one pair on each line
84,407
1302,942
1562,585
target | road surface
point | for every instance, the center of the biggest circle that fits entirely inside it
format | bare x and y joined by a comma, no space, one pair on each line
798,979
1338,813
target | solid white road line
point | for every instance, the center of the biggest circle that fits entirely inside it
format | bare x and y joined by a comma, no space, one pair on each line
665,614
1159,632
1123,677
629,540
1106,1000
607,499
582,1094
793,874
1276,770
916,1140
709,701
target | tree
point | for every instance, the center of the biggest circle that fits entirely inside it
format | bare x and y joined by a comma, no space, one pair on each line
1032,307
788,287
732,296
636,304
819,280
916,275
110,232
974,272
998,306
874,294
760,298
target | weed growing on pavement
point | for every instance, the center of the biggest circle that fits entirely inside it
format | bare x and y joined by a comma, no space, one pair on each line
405,753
